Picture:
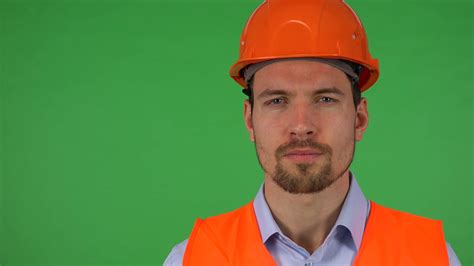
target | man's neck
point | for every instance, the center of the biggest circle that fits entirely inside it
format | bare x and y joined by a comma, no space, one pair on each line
307,219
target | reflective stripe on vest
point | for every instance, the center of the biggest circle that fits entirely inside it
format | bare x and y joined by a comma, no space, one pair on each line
391,237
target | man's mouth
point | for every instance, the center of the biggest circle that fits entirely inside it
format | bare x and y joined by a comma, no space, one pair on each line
303,155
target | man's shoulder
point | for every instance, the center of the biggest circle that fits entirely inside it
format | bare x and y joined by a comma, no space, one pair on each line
176,255
401,216
403,223
224,220
218,222
405,227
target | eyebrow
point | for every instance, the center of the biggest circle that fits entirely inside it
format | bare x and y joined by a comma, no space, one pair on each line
332,90
273,92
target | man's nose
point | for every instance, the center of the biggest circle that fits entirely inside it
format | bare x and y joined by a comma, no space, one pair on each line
301,122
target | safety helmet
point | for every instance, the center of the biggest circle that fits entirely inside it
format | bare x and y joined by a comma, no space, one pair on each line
305,28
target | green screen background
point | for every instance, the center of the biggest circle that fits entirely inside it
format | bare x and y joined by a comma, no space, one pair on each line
120,124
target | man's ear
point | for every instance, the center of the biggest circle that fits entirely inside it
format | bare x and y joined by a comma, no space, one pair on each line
362,119
248,119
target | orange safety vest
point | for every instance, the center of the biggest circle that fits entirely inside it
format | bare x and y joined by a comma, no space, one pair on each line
391,237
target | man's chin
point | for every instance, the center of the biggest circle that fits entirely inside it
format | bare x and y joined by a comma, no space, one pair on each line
302,169
303,178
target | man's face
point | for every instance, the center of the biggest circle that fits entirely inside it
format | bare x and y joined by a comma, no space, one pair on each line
304,124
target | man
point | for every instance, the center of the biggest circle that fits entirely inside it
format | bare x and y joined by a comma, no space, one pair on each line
303,65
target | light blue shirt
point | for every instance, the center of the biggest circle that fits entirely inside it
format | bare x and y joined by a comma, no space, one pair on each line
339,248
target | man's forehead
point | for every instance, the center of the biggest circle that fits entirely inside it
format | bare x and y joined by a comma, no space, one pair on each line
339,65
270,92
302,76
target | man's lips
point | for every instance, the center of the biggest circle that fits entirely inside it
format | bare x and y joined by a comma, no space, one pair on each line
302,155
303,152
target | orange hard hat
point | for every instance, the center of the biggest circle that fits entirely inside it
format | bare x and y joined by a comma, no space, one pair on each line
305,28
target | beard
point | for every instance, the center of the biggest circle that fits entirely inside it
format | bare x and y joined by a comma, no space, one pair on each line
306,178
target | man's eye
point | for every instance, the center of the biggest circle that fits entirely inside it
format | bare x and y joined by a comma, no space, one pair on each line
275,101
326,99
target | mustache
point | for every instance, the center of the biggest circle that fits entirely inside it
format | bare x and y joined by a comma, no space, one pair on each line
307,143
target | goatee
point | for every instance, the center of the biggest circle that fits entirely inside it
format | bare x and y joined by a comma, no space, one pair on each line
309,178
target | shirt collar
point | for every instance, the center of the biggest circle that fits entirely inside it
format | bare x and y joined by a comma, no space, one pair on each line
353,214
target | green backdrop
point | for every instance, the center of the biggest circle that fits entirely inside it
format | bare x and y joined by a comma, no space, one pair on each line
120,124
